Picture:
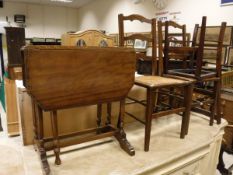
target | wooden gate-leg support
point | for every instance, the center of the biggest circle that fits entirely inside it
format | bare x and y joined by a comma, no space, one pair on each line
109,110
99,115
39,131
55,137
120,134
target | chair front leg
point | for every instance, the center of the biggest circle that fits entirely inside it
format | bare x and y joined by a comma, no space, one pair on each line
149,111
188,93
216,101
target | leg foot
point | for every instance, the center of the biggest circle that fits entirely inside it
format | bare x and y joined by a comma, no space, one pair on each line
44,161
125,145
57,157
120,134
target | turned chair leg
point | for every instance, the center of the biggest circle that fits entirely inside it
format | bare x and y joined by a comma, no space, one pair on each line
149,111
213,106
218,108
55,137
188,92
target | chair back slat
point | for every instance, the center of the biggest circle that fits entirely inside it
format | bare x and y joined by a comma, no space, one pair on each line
152,38
138,36
136,17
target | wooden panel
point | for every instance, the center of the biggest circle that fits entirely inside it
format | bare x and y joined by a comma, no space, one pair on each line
210,55
11,107
24,107
15,40
61,77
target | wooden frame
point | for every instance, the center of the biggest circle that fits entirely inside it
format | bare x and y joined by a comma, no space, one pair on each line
212,34
226,2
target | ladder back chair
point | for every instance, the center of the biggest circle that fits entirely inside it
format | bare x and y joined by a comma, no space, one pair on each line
154,83
208,105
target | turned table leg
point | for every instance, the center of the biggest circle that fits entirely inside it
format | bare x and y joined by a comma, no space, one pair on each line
55,137
109,110
99,115
39,136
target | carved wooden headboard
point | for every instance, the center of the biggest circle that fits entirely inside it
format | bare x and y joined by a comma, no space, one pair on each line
87,38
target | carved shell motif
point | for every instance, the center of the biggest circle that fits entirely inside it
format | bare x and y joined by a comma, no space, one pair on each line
160,4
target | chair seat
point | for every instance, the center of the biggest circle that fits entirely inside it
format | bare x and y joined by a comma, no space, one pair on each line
158,81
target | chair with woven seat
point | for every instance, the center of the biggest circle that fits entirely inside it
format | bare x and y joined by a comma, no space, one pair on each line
211,105
155,83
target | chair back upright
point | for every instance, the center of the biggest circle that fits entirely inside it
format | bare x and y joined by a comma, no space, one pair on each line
150,39
215,44
200,51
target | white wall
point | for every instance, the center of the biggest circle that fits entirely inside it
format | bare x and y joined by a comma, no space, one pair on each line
42,21
102,14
